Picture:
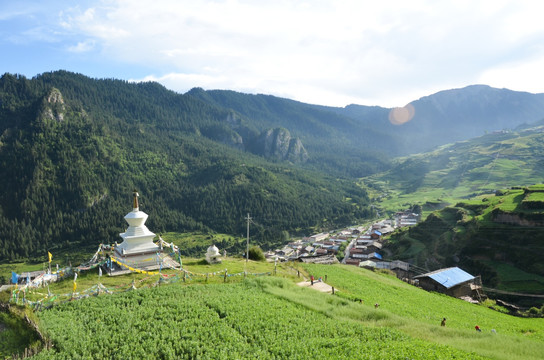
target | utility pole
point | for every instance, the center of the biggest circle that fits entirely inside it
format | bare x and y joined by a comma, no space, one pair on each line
247,246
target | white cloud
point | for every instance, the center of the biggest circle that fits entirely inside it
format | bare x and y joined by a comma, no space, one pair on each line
519,76
83,46
329,52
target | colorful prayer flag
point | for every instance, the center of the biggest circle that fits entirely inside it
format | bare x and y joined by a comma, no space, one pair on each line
14,278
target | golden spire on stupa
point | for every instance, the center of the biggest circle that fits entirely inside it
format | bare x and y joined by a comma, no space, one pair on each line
135,201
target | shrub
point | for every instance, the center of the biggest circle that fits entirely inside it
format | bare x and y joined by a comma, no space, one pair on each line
256,253
534,311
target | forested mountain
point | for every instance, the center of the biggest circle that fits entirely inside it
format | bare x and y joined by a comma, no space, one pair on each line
335,143
73,148
357,131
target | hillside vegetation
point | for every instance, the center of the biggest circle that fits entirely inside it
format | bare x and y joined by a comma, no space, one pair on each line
461,170
72,149
270,317
498,236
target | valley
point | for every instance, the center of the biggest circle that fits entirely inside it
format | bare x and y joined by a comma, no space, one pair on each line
72,148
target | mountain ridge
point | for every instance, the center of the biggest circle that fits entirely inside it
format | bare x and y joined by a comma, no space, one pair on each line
116,136
71,162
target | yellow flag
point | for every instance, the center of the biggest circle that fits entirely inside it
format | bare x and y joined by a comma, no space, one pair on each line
75,286
50,256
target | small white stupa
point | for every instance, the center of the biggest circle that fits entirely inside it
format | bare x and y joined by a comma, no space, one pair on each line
137,249
212,255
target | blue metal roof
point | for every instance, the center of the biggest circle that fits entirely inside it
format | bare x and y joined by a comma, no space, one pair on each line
449,277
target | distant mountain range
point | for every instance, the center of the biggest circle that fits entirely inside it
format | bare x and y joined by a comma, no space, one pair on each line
73,148
438,119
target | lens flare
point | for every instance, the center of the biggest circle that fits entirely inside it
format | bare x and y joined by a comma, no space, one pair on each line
402,115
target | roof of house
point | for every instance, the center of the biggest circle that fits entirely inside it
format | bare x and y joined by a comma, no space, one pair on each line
32,274
448,277
368,263
376,245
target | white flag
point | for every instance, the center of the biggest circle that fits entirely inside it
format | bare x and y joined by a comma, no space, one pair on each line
75,277
99,271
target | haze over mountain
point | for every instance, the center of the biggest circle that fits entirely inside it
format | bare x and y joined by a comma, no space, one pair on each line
73,148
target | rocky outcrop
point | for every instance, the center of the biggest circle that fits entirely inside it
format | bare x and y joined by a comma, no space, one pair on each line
296,152
53,107
278,144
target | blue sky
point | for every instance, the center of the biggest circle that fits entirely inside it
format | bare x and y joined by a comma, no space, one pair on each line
385,53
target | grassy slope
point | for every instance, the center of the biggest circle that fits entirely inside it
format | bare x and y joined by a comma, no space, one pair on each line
403,309
191,243
510,253
457,171
419,313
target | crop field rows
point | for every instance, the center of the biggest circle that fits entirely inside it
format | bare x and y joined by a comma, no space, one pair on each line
234,321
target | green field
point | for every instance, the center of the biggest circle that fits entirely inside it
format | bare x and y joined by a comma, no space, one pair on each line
241,320
459,171
419,313
270,317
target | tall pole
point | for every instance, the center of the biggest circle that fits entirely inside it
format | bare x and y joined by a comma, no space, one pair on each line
247,245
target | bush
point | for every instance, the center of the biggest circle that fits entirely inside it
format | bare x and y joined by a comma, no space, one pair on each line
534,311
256,253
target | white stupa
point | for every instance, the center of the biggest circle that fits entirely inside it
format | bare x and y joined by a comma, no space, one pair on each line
212,255
137,249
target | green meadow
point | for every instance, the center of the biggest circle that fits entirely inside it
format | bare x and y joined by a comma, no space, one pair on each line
270,317
459,171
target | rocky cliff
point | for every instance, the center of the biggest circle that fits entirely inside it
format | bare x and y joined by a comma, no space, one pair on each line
279,144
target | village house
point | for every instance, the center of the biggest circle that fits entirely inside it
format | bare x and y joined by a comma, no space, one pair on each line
296,244
400,268
359,255
319,237
307,250
340,237
375,235
451,281
338,240
364,240
321,251
286,251
352,261
370,247
384,227
406,218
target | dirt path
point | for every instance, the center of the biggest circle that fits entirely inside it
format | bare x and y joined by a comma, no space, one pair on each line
318,285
